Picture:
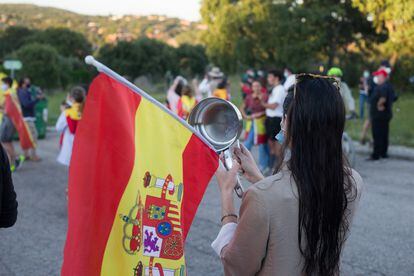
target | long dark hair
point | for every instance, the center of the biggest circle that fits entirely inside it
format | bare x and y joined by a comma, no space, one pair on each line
316,120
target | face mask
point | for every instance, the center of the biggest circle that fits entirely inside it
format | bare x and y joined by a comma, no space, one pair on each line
69,102
388,70
375,80
366,74
280,137
285,74
4,87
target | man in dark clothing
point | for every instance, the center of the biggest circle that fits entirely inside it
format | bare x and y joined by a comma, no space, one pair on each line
8,203
28,102
381,99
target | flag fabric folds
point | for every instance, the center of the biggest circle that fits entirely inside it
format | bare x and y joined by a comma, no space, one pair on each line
137,176
13,110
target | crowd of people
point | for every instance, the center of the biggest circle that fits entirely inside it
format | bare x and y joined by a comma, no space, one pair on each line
17,107
24,96
263,95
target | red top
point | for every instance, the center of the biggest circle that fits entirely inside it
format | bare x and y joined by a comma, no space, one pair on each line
254,105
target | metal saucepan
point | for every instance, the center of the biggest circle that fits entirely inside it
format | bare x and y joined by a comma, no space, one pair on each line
220,123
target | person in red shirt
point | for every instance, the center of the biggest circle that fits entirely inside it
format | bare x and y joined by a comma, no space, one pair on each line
254,113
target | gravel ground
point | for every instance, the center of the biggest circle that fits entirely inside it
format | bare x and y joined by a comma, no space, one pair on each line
381,241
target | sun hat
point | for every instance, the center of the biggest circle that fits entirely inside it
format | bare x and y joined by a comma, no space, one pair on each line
215,73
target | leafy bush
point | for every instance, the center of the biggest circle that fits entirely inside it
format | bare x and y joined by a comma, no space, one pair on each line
152,57
41,63
68,43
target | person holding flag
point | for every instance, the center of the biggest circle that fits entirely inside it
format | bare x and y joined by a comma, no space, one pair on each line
12,121
137,175
67,123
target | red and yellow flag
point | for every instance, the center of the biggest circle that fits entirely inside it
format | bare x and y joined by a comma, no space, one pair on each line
137,176
13,110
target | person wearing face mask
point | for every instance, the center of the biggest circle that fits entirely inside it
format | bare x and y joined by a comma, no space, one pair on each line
372,83
363,93
7,127
289,78
68,121
28,101
274,113
381,100
280,137
296,221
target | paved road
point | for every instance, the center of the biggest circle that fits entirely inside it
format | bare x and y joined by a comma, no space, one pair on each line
381,243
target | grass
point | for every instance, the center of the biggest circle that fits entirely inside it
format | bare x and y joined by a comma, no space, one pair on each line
402,125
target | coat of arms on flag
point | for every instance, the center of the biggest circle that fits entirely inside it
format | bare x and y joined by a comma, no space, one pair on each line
137,176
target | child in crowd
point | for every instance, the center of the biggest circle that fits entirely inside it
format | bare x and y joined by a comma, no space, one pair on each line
68,122
186,102
221,90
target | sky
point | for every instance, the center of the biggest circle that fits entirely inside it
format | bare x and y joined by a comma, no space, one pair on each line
186,9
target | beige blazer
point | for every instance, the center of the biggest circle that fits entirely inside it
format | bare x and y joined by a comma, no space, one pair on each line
265,241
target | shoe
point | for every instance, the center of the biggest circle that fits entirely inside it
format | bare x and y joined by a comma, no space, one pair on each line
372,159
18,163
385,156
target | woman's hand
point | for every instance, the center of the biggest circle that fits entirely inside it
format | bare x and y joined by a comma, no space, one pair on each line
248,165
227,180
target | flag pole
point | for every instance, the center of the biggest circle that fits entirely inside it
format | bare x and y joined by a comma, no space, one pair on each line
109,72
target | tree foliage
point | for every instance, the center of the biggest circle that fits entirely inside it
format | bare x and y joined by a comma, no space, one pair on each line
68,43
152,57
397,17
41,63
192,60
13,38
295,33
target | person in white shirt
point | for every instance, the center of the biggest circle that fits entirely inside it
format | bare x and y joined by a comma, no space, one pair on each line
210,82
289,79
274,113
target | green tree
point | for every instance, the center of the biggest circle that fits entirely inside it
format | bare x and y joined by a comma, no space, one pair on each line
123,58
192,60
68,43
41,63
397,17
295,33
237,32
13,38
140,57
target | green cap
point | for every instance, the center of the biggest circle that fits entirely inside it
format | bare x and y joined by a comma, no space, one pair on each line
335,72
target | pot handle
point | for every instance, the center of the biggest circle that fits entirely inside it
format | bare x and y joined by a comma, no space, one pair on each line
228,164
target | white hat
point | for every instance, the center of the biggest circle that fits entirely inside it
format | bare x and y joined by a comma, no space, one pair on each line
215,73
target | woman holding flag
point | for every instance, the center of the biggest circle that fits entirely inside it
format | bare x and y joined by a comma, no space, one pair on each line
12,121
296,221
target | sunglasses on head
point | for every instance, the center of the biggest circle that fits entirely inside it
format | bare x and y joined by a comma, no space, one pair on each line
307,76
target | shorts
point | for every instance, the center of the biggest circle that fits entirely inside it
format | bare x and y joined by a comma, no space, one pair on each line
7,130
273,127
32,128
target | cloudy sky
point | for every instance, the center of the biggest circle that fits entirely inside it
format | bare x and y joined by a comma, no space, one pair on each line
187,9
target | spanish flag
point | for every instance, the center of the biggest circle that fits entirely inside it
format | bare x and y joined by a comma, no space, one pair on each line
13,110
137,176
